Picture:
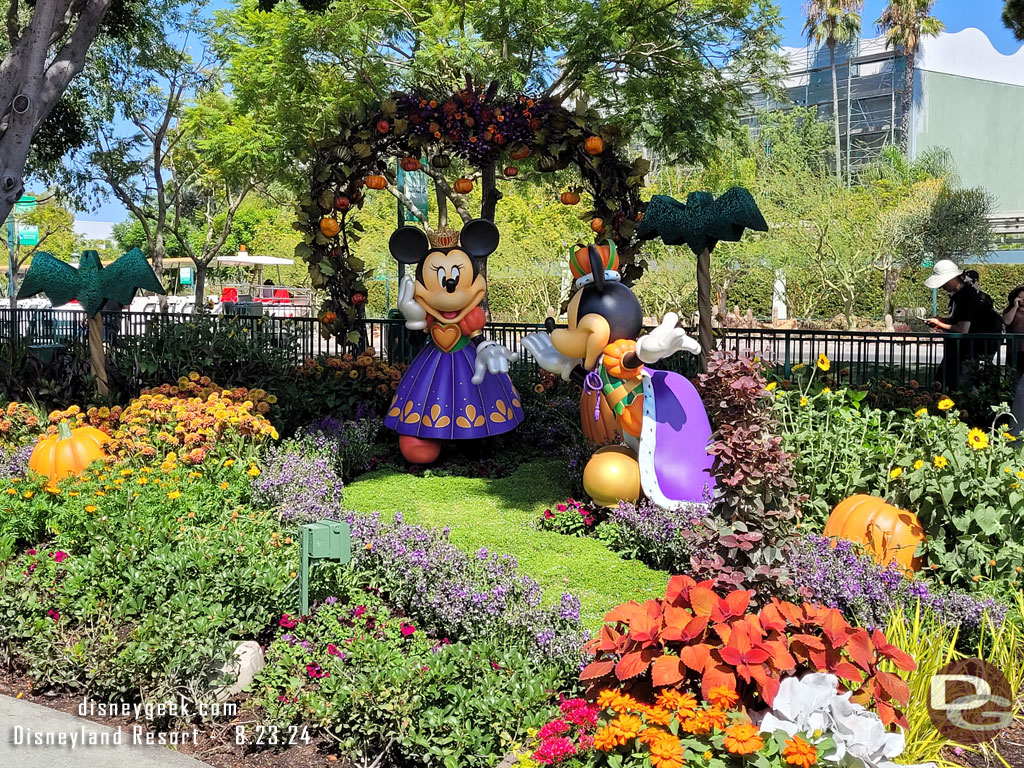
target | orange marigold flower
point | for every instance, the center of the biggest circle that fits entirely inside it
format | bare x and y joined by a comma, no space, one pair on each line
800,753
667,752
743,739
624,702
650,735
715,717
723,696
626,727
606,698
696,724
657,715
605,740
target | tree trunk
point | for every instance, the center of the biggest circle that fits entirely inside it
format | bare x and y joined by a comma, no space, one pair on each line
200,284
97,355
908,97
889,280
707,340
157,257
12,267
835,111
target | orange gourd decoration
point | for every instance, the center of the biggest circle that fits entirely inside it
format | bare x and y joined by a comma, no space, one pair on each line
889,533
570,198
68,452
463,186
519,152
594,145
597,225
410,164
605,430
511,171
330,227
376,181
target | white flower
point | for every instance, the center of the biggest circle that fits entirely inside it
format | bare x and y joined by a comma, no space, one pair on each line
810,705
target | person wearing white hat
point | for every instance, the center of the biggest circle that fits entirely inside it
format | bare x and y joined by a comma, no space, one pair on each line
965,310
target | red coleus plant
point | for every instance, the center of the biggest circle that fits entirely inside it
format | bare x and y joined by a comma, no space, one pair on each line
694,638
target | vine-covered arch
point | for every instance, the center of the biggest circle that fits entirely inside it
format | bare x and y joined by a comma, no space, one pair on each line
494,138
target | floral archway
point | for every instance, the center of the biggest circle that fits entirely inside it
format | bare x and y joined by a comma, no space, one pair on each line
459,140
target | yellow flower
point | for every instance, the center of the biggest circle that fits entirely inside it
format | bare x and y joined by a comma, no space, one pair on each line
896,472
224,486
91,508
803,401
125,472
941,462
228,462
918,464
945,404
29,494
142,480
1020,474
1009,437
772,385
823,362
826,390
977,439
12,492
253,471
174,495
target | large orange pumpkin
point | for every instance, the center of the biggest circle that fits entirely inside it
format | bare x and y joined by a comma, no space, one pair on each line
68,452
463,186
330,227
376,181
887,532
594,145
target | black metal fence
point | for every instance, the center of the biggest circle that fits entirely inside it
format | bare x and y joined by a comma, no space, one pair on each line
866,355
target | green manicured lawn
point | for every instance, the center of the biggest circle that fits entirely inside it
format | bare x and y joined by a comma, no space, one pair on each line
498,514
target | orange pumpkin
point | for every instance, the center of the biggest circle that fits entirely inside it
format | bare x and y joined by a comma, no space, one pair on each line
519,152
570,198
328,318
330,227
68,452
594,145
887,532
597,225
376,181
410,164
463,186
511,171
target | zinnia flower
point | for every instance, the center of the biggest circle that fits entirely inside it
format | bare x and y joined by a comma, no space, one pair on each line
605,739
723,696
626,727
799,752
743,739
667,752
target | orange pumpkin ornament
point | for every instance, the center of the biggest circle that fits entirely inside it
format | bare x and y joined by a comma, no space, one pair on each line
519,152
889,533
330,227
376,181
597,225
570,198
594,145
511,171
463,186
68,452
410,164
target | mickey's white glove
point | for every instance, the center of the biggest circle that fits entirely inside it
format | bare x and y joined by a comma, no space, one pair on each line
414,314
665,340
550,359
492,357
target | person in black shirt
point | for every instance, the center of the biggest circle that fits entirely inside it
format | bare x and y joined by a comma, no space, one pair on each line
968,315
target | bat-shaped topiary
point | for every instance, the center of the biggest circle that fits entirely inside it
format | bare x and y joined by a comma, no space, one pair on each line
91,285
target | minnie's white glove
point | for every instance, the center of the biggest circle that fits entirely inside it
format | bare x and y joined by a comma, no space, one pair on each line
414,314
665,340
550,359
492,357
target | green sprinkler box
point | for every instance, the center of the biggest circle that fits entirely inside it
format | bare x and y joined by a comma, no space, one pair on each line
45,353
323,540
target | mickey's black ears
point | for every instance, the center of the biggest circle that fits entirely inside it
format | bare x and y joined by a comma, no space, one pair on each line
479,238
409,245
596,267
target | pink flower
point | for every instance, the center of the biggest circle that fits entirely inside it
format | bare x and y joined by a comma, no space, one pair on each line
59,556
315,671
554,728
359,611
553,750
407,629
30,552
55,615
561,507
334,650
579,713
496,665
548,514
286,621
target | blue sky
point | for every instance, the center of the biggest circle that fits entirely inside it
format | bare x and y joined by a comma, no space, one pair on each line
956,14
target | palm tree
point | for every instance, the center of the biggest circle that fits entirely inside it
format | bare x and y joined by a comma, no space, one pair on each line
832,22
905,23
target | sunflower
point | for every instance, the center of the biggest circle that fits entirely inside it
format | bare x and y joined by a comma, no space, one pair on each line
800,753
945,404
940,462
823,362
895,472
743,739
920,412
803,401
977,439
918,464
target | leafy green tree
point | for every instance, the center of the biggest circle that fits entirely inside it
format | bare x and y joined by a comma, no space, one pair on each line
56,235
905,23
833,22
1013,17
958,224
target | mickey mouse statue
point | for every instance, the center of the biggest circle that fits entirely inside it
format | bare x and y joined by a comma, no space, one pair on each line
457,387
659,414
